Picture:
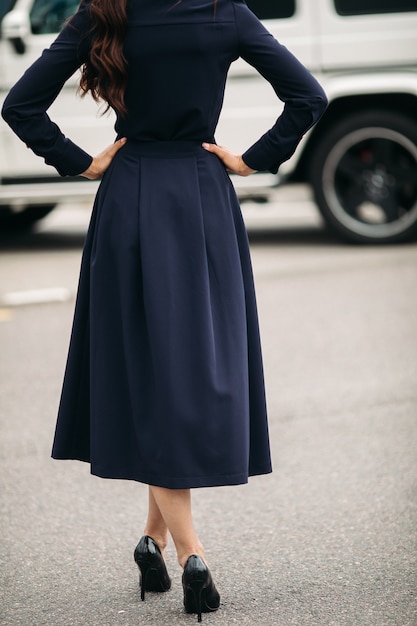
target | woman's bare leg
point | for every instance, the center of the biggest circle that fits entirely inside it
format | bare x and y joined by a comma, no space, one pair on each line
155,524
174,506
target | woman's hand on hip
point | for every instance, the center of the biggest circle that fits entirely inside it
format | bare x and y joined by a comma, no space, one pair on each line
232,162
101,162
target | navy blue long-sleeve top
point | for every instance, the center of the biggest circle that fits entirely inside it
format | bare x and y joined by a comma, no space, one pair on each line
178,56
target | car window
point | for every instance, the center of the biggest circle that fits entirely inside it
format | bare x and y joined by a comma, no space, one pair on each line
363,7
271,9
48,16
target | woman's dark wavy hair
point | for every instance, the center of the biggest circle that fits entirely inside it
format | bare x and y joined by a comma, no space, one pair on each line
104,74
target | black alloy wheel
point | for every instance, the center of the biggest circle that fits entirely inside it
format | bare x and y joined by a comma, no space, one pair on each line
364,177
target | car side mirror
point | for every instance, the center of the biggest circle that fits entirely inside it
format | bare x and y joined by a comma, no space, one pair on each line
15,28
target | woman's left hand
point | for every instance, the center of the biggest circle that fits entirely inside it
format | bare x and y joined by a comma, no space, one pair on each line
101,162
232,162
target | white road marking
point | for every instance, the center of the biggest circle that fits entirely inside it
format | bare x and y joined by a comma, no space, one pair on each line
36,296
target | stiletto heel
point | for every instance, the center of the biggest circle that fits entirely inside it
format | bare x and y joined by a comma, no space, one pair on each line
196,587
153,571
200,593
144,570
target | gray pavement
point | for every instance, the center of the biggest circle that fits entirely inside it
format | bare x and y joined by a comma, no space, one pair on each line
328,539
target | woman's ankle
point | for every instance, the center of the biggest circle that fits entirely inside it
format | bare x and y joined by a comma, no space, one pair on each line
184,554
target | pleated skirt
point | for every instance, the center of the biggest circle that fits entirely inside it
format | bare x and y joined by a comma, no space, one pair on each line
164,380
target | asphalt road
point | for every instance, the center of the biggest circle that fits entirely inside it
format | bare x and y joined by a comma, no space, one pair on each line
328,539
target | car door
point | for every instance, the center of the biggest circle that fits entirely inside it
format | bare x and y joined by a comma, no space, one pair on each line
368,34
251,106
38,23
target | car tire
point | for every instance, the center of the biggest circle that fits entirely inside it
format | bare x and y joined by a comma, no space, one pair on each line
12,221
364,176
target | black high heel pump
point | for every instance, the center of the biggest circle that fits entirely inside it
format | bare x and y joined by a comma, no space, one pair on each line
200,594
153,571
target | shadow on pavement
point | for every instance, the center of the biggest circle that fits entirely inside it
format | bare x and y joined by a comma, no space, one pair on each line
71,240
289,236
33,241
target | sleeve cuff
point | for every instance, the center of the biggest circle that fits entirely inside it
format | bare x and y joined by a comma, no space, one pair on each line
70,160
257,158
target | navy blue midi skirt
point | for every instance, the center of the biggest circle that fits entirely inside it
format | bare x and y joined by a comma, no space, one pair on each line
164,381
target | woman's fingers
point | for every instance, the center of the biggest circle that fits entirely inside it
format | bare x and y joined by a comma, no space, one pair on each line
101,162
115,147
233,162
229,159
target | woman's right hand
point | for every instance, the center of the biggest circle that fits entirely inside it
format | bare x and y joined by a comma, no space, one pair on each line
102,162
232,162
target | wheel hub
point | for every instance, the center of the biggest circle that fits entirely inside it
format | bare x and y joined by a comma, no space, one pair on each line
377,183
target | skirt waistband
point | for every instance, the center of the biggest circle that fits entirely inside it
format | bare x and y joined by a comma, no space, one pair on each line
162,148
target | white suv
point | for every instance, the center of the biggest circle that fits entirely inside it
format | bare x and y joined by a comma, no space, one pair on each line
361,158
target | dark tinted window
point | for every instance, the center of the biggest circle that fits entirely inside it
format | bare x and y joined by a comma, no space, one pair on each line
48,16
363,7
272,9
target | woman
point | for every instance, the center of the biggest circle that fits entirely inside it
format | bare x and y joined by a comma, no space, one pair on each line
164,381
